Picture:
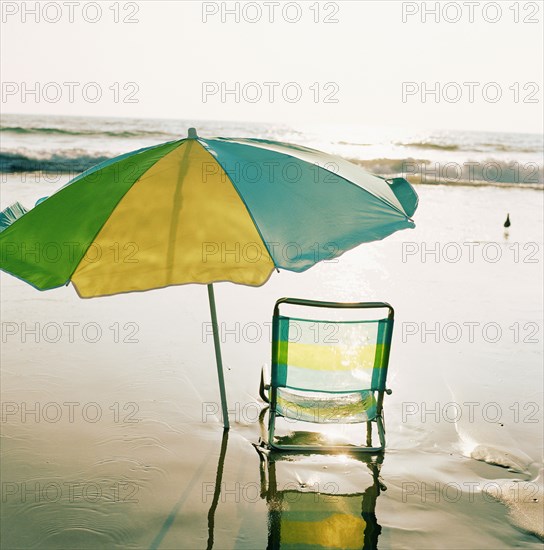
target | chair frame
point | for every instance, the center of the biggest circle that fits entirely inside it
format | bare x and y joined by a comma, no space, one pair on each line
271,398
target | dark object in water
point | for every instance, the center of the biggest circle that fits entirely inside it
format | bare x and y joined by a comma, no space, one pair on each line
507,222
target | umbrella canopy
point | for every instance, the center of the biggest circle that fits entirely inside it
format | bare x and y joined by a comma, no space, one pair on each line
201,210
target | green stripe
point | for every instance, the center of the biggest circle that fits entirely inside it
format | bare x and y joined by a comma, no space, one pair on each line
44,246
379,373
280,346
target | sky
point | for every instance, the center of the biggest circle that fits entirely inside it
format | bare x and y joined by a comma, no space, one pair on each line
470,66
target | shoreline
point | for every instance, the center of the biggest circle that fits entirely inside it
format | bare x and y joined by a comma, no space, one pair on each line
64,177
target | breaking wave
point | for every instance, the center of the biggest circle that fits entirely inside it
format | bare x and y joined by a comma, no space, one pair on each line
417,171
20,130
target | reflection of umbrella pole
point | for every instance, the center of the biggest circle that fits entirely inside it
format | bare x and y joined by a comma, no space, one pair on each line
218,359
217,490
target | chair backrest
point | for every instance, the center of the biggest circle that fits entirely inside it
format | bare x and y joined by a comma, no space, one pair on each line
330,356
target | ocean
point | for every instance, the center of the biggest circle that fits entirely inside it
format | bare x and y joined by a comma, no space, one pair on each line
69,145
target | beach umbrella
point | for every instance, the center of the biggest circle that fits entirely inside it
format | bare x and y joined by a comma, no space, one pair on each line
201,210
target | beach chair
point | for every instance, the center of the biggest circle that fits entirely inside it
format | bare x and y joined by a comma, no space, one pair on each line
328,371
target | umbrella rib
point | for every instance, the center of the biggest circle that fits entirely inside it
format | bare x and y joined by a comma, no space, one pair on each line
176,207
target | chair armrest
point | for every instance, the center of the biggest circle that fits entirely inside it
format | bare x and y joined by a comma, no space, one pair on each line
263,388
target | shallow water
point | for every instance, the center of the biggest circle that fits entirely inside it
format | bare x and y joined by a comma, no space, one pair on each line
124,449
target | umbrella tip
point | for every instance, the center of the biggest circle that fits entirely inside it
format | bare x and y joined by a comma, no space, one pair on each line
191,134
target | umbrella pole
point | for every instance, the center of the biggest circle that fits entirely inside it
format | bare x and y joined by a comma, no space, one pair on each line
217,344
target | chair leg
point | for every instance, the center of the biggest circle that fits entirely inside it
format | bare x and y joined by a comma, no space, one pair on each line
381,431
261,424
271,426
369,434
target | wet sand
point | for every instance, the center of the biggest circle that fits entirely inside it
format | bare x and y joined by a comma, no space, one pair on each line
125,448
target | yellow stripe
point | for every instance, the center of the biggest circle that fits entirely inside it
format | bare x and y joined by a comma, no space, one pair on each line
336,531
332,358
181,222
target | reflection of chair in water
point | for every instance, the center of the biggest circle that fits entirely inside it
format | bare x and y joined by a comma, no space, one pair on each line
328,372
299,517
